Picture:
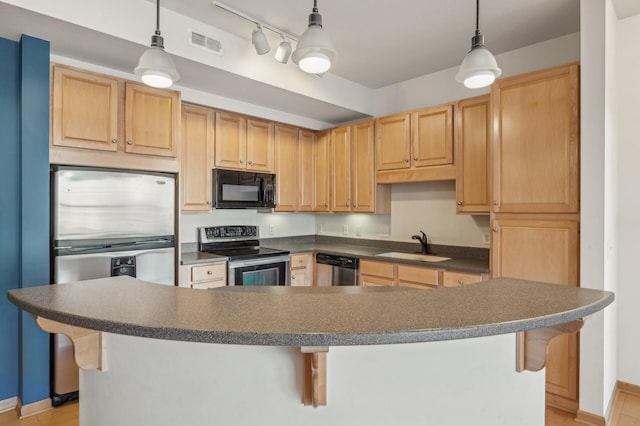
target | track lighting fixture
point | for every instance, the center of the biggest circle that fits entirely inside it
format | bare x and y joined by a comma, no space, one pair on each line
260,41
315,52
156,67
479,68
284,51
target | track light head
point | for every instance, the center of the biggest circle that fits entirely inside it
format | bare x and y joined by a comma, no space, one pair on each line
260,41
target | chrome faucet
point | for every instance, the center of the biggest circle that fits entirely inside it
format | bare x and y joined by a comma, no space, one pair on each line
424,242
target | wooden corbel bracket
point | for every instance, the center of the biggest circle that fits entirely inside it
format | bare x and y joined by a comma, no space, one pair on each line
315,375
531,346
88,348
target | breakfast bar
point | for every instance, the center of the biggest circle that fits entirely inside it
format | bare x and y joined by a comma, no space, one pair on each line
309,355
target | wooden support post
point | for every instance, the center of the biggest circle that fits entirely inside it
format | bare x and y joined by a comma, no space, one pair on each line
315,375
88,350
531,346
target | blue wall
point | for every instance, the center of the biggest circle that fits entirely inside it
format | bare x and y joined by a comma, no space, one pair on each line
24,173
9,215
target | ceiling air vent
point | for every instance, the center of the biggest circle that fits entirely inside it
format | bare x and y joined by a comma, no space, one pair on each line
204,42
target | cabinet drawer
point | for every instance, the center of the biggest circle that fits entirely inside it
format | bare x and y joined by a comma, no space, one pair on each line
455,279
371,281
209,284
380,269
418,275
300,260
211,272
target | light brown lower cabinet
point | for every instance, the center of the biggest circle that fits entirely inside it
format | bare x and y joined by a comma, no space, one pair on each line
301,270
203,276
373,273
381,273
543,248
417,277
456,279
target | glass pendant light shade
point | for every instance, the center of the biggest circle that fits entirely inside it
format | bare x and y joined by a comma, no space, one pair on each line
156,67
478,69
315,52
260,41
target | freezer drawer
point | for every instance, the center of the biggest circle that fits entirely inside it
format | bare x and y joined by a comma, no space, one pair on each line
155,266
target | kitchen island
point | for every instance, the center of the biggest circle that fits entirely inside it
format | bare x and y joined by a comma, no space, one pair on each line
158,355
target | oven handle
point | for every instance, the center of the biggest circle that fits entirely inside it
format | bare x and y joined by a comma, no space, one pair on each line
259,261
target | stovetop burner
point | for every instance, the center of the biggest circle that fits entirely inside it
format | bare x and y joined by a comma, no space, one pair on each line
235,242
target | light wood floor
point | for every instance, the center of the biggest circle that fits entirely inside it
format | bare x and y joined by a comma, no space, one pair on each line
626,412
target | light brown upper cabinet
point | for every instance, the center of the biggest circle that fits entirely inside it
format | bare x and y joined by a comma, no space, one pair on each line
322,171
86,114
260,145
152,120
393,142
306,170
472,155
244,143
286,147
536,142
341,175
432,136
363,177
85,110
196,158
353,185
415,146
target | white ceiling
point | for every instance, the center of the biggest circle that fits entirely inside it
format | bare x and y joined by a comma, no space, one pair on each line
379,43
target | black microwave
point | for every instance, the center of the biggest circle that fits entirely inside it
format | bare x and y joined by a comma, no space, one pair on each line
235,189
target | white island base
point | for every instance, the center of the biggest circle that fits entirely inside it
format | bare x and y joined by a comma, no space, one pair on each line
159,382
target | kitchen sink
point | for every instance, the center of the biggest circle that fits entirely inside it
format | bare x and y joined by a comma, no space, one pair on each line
413,256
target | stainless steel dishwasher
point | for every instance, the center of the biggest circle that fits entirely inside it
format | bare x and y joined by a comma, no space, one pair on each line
336,270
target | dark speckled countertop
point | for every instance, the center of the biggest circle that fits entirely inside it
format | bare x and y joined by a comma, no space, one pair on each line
462,258
309,316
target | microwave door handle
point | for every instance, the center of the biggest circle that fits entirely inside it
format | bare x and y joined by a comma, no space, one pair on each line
263,192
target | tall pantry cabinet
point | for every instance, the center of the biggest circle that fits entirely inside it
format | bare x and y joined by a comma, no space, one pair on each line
535,198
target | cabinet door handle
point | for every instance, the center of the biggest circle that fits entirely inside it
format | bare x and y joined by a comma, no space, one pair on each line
114,140
129,142
495,229
461,282
241,161
406,160
208,203
496,203
415,158
249,162
459,203
209,272
347,205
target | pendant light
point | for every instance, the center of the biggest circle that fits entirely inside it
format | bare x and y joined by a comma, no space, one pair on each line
478,68
156,67
315,52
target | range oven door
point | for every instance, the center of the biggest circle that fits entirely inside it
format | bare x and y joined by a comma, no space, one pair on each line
261,271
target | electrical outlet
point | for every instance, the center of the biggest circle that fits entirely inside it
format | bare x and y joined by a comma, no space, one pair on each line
486,239
272,229
345,229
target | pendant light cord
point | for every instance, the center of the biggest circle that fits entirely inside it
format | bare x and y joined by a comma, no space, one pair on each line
315,6
477,17
158,17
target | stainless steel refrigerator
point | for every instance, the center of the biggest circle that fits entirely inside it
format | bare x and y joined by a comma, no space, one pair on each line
106,223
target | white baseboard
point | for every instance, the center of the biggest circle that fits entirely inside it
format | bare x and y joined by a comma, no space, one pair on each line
34,408
8,404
